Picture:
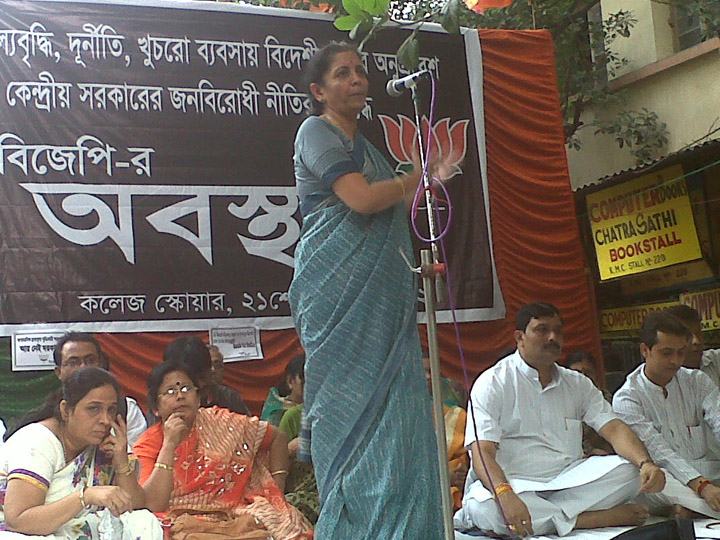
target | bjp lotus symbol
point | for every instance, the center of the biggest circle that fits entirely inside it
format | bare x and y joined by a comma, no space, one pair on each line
449,142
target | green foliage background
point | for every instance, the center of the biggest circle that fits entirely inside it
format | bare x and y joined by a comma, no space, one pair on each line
21,391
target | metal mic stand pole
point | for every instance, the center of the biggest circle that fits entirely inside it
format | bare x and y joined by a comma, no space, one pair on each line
430,271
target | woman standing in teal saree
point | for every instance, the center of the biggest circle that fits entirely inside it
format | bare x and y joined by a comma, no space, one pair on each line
353,298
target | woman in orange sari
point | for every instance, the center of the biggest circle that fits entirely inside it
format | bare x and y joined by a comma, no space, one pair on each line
212,473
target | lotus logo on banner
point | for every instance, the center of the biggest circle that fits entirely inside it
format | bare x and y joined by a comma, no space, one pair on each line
449,141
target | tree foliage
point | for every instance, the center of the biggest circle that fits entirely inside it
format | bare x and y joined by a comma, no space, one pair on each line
707,12
583,52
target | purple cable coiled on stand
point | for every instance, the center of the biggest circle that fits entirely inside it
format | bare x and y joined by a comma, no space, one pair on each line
419,192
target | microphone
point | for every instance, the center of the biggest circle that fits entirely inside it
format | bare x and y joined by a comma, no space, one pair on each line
395,87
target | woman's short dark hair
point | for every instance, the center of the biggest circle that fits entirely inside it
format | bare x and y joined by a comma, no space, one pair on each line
192,353
319,65
74,388
295,368
158,374
82,381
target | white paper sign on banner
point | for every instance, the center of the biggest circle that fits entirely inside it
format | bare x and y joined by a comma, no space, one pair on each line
31,352
237,344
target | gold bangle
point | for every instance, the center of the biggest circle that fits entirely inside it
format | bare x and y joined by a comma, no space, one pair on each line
281,471
159,465
502,488
82,497
127,470
399,180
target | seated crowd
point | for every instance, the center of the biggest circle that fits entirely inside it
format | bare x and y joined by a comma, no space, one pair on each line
204,468
663,431
86,462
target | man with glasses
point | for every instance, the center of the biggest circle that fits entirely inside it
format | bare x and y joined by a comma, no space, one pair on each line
76,350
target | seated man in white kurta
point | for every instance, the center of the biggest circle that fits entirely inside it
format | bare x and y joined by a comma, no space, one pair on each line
526,419
675,411
696,356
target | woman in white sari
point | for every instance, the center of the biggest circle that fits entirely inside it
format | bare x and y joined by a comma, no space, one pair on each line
69,473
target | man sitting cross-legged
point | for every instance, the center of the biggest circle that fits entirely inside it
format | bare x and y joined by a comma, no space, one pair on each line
527,415
676,412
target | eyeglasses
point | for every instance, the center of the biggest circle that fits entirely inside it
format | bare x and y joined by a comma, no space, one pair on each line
84,362
175,391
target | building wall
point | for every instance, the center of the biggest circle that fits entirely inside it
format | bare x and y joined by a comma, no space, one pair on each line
683,88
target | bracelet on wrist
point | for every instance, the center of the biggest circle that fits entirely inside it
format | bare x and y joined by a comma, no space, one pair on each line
82,498
645,462
127,470
281,471
702,485
162,466
502,488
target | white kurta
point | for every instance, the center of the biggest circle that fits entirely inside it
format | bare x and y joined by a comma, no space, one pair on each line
136,423
678,429
675,428
539,433
710,365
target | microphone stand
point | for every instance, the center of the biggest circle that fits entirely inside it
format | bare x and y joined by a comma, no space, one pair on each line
431,271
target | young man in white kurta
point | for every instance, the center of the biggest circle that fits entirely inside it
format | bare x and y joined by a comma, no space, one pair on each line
696,357
675,411
532,416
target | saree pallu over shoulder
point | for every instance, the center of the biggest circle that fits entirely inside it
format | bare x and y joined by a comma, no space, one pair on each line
354,302
35,455
222,480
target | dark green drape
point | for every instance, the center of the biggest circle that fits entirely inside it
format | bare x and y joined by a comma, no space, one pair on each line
21,391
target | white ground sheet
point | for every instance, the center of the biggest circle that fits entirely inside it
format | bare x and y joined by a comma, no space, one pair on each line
607,533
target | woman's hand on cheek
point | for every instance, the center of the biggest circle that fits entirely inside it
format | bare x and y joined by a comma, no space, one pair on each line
175,429
115,444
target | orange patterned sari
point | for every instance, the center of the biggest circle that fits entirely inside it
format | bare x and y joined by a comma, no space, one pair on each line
222,484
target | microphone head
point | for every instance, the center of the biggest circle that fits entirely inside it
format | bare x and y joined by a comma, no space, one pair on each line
392,88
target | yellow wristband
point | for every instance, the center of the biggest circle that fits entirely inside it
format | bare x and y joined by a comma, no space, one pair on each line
159,465
502,488
399,180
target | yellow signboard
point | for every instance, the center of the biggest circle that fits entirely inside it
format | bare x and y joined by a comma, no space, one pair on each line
628,318
643,224
707,304
666,277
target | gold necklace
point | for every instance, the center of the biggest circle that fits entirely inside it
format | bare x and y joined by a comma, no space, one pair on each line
64,447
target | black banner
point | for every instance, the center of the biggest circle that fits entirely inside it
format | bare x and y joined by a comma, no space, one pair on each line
146,160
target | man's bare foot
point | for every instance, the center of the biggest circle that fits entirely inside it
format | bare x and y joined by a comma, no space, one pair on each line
622,514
